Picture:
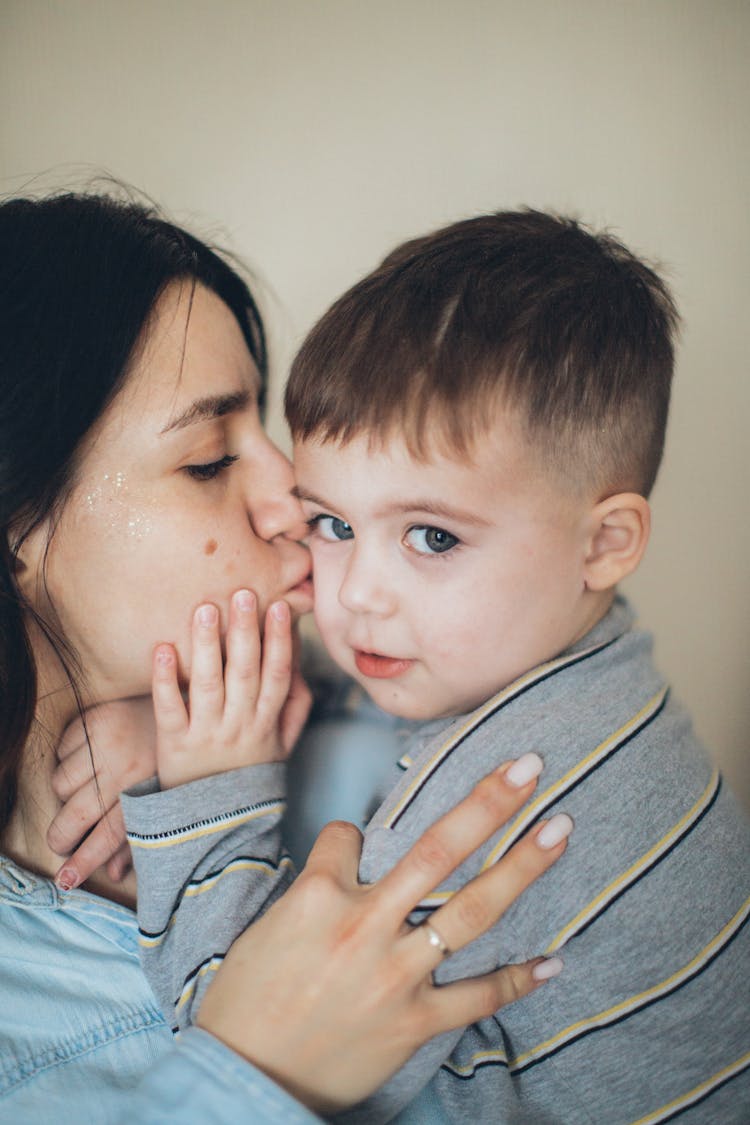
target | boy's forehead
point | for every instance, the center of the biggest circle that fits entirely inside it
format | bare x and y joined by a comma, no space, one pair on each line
440,479
331,479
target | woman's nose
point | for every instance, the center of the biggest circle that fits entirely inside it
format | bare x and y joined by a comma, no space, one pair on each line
366,588
272,507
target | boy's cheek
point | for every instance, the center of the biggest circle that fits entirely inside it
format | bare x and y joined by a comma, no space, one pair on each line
328,617
323,617
320,591
325,583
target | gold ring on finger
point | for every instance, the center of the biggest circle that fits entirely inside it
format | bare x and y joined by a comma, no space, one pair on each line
436,940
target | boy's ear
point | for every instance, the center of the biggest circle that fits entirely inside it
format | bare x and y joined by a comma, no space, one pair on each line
621,525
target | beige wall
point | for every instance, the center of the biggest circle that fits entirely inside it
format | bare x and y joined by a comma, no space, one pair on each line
313,134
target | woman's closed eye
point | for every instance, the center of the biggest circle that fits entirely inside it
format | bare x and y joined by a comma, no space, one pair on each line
212,469
430,540
330,528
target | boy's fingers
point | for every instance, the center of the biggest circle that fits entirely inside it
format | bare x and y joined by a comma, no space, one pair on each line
207,672
79,814
456,835
72,773
276,675
77,773
242,672
120,863
295,713
482,902
74,737
102,843
169,708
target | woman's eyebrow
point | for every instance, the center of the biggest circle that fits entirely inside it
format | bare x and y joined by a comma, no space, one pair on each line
212,406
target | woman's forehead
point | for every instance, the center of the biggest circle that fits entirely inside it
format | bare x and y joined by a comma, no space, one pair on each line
192,348
193,363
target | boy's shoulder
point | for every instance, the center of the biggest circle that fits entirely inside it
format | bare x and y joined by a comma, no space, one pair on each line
648,907
620,757
571,710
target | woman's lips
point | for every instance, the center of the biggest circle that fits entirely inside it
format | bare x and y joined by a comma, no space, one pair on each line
301,592
380,667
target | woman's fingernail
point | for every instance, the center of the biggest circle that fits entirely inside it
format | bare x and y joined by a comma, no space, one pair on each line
66,878
524,770
280,611
208,615
555,830
547,969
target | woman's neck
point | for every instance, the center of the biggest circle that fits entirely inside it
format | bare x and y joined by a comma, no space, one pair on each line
25,838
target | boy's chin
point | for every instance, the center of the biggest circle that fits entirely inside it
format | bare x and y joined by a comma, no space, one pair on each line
411,708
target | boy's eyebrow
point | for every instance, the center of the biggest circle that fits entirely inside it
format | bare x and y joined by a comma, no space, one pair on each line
211,406
433,508
418,504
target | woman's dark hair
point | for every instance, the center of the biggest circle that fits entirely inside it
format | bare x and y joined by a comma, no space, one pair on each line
79,277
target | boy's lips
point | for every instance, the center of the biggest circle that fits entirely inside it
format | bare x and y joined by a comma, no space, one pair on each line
379,667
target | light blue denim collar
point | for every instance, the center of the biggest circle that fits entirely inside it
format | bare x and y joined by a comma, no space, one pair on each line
24,889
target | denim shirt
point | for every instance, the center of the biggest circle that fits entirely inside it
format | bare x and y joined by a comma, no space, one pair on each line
81,1036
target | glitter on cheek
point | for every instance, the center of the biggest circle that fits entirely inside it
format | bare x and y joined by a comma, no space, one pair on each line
110,503
139,525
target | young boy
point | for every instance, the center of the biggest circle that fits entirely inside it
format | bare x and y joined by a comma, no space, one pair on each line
477,427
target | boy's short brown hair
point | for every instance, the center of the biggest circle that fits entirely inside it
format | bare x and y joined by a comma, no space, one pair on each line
519,310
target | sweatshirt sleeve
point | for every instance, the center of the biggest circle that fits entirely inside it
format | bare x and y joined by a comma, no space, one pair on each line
209,859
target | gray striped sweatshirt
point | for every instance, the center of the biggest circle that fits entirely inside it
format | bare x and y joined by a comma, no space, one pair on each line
650,1020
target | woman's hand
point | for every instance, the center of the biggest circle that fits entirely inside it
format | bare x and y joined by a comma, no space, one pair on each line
114,748
331,991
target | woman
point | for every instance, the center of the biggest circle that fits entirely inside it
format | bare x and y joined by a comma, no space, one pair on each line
121,508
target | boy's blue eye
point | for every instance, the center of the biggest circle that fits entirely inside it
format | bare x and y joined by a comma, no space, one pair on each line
212,469
430,540
331,528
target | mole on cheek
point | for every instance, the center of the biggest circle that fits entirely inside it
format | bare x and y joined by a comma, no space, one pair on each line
210,547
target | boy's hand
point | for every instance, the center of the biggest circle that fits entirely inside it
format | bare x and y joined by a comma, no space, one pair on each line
120,750
249,711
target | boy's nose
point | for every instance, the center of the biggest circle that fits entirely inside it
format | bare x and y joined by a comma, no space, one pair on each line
365,588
